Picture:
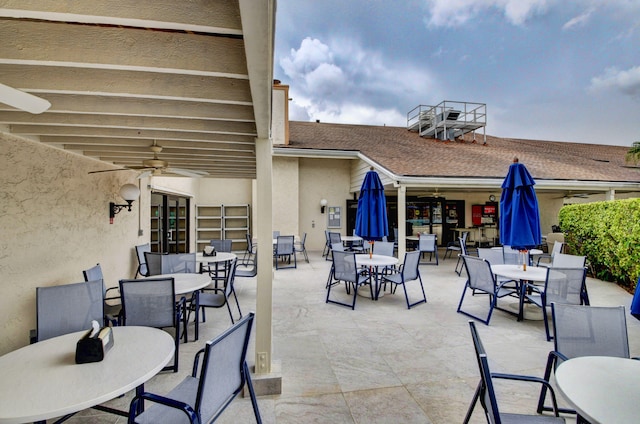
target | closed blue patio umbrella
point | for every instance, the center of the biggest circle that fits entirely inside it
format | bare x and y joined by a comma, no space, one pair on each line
519,211
371,217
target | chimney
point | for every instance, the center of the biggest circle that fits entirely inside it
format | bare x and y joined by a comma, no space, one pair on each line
280,113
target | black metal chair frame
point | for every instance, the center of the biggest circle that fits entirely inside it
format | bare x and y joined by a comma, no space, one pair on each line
498,290
204,379
346,272
432,250
142,261
179,311
485,391
111,312
538,295
408,271
556,357
281,255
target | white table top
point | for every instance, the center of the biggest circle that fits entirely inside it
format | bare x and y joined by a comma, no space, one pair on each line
42,380
375,260
351,238
187,282
602,389
530,251
515,272
219,257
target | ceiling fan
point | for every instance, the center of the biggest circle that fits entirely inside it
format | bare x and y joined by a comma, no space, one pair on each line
435,193
571,195
157,166
23,100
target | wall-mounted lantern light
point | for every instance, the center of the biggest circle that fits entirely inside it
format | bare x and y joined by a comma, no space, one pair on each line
323,204
129,192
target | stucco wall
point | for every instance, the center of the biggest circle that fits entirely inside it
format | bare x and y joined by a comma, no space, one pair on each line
285,195
321,179
55,223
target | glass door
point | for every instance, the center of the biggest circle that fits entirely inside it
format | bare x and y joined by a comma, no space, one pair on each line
169,223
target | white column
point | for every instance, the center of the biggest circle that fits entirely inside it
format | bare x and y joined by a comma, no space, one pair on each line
264,295
611,195
402,222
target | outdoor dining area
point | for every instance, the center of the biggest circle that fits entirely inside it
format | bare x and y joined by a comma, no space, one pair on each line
505,330
554,292
383,362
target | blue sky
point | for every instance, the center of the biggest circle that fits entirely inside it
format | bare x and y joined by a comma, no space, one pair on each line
562,70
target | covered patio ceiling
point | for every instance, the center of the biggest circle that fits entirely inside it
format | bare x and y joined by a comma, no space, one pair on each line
194,77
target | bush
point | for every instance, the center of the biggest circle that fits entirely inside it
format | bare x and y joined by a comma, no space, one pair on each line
608,234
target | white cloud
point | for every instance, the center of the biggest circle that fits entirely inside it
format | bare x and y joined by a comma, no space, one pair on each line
454,13
580,20
627,82
342,82
311,54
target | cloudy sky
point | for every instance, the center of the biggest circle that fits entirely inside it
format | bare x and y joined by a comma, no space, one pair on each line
564,70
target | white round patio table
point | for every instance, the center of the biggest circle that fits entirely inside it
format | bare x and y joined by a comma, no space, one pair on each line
374,262
219,257
602,389
42,380
186,282
516,272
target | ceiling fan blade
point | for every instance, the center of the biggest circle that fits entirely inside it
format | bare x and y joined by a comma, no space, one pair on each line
187,172
109,170
145,174
22,100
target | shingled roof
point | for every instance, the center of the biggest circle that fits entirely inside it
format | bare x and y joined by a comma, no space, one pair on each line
405,153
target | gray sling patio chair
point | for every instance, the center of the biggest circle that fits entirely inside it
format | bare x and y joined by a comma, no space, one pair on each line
249,268
174,263
142,261
67,308
546,259
344,270
327,245
334,238
111,295
151,303
284,251
454,246
250,251
563,285
495,257
485,392
221,245
204,395
428,243
300,247
154,263
581,330
565,260
384,248
218,297
481,279
408,271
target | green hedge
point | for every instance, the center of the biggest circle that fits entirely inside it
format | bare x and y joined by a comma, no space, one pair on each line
608,234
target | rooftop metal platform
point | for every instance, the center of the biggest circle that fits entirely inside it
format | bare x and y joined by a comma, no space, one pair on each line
448,120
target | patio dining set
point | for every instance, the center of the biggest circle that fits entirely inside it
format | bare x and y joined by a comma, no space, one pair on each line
128,323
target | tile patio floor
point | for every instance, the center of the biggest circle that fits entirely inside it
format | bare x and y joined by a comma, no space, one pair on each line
380,363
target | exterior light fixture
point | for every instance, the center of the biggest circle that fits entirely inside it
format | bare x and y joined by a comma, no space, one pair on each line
323,204
129,192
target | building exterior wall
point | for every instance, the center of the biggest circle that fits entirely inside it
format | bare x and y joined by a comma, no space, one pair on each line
55,223
286,190
322,179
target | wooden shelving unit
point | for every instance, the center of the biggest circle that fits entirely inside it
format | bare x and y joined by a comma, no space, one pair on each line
222,222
